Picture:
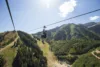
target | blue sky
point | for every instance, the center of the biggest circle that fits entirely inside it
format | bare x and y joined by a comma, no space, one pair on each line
31,14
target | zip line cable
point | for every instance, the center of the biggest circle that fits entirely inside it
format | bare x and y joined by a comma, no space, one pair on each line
10,14
69,18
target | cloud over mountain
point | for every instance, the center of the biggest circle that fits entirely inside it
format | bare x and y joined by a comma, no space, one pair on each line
67,7
94,18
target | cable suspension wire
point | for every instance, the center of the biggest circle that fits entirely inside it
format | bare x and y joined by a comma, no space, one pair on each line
69,18
10,14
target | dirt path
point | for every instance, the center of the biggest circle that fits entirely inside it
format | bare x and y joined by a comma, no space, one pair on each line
51,58
10,45
97,51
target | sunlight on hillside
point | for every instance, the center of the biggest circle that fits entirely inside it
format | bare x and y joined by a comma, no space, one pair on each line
9,53
51,58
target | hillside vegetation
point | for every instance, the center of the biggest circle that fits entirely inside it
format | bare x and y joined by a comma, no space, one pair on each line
6,38
22,52
29,54
74,46
87,60
52,60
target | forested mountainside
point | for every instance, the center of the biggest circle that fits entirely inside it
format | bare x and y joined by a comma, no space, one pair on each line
73,51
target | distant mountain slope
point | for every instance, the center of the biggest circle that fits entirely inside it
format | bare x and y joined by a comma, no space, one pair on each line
71,31
90,24
95,28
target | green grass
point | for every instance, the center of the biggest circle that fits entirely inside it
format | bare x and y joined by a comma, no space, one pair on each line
44,47
9,55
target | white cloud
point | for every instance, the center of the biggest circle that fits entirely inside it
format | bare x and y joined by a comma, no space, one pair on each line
48,5
67,7
94,18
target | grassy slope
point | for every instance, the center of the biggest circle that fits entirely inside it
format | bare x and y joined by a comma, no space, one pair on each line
44,47
9,55
8,52
51,58
7,38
